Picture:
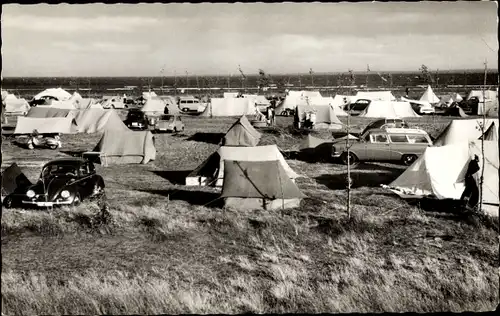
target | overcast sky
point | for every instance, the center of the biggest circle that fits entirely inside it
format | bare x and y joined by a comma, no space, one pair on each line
140,39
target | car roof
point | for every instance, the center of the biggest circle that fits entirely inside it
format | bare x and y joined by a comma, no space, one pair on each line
396,130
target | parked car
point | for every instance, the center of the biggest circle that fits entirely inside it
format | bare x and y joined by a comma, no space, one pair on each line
169,123
136,119
357,107
66,181
191,105
113,103
390,144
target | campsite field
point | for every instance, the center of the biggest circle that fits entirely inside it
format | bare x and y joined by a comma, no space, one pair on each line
167,248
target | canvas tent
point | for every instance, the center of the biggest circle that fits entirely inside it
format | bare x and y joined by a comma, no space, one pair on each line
440,172
13,181
429,96
375,96
171,103
338,104
294,98
260,100
491,133
325,116
462,130
15,106
127,147
58,94
154,106
250,185
488,105
66,104
53,125
385,109
230,107
242,133
211,171
97,121
46,112
149,95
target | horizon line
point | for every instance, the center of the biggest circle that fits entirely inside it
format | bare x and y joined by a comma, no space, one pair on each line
257,74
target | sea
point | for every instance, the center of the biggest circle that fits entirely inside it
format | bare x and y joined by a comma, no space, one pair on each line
327,83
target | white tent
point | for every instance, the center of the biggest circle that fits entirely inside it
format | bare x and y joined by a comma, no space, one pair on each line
56,93
66,104
149,95
211,171
385,109
448,100
462,130
488,95
375,95
294,98
52,125
325,115
429,96
13,105
260,100
440,172
230,107
154,106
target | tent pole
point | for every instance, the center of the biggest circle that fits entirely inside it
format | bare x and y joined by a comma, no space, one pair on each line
482,138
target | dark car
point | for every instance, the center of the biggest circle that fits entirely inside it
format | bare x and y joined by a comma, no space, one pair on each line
136,119
357,107
66,181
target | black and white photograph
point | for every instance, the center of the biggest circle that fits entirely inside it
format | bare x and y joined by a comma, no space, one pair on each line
264,158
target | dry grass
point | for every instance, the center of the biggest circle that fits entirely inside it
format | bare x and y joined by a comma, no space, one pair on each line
160,249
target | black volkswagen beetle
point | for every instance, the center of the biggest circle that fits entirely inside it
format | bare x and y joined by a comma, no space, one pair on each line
65,181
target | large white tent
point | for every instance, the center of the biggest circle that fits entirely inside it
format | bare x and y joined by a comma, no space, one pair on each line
294,98
56,93
230,107
429,96
440,172
387,109
463,130
13,105
154,106
375,96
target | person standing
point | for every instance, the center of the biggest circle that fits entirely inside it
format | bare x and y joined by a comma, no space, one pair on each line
471,193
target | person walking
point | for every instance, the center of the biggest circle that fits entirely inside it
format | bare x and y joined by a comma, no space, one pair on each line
470,196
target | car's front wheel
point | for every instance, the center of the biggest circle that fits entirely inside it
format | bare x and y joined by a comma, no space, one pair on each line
408,160
350,158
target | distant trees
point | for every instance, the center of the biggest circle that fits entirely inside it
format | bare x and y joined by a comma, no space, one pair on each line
264,80
426,74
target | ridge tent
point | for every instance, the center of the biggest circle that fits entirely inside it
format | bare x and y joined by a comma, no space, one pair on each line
66,104
55,93
440,171
242,133
52,125
211,171
87,103
488,95
154,106
375,96
462,130
13,181
46,112
325,116
385,109
260,100
293,98
127,147
230,107
429,96
97,121
250,185
149,95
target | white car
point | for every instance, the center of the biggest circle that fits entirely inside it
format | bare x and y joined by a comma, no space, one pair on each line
426,110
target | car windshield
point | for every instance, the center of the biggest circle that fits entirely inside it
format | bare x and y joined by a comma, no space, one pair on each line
135,114
57,170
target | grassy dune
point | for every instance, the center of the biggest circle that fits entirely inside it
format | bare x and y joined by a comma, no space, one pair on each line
161,247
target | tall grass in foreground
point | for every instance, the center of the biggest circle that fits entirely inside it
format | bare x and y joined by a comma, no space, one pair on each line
313,261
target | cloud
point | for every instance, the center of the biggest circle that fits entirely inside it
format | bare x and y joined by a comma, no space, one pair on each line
101,47
77,24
